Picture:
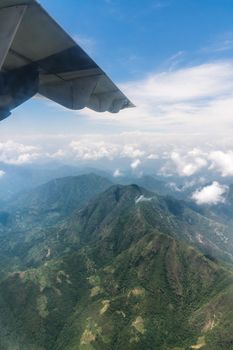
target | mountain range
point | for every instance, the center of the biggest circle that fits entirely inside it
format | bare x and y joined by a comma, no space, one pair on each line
87,265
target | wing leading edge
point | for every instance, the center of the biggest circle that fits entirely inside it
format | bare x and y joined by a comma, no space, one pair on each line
38,56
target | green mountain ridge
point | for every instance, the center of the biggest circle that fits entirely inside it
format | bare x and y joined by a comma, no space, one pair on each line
166,214
128,270
61,195
30,219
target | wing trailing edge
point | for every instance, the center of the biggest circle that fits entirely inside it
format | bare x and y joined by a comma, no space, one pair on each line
32,43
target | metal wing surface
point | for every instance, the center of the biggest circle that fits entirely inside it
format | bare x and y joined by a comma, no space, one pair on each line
38,56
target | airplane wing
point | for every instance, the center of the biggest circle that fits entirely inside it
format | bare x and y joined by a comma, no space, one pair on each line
34,46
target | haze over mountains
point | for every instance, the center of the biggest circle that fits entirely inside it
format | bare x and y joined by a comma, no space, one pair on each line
18,178
88,264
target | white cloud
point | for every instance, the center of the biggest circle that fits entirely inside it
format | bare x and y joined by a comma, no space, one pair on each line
190,104
188,163
187,184
211,194
152,156
16,153
185,165
222,162
131,151
174,107
142,198
24,158
203,81
135,164
2,173
185,106
118,173
191,101
90,150
59,154
127,150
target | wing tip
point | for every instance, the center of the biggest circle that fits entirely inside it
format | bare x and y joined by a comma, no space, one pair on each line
131,105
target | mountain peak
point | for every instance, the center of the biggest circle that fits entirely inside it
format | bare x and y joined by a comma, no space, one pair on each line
117,273
129,192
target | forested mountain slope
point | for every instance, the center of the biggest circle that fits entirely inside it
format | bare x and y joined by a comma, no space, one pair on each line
128,269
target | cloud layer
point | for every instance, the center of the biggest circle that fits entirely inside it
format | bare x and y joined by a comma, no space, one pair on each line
135,150
17,153
193,100
185,118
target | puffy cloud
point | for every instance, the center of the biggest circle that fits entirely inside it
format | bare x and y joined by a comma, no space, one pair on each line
118,173
24,158
222,162
188,163
130,151
16,153
2,173
211,194
185,165
91,148
135,164
87,150
152,156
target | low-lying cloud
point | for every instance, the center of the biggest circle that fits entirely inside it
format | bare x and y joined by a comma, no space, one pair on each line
211,194
118,173
222,162
142,198
185,165
17,153
135,164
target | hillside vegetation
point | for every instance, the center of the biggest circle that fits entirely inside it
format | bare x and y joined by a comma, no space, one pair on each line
90,266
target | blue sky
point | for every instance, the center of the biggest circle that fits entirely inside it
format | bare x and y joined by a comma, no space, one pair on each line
131,38
173,58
